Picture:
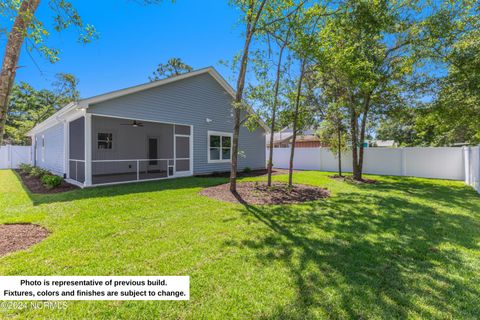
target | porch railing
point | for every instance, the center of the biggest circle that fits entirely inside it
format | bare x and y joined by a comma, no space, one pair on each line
77,170
127,170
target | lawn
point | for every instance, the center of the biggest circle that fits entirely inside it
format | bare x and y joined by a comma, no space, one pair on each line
401,248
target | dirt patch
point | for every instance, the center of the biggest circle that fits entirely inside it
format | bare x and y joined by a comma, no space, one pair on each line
351,180
259,193
36,186
15,237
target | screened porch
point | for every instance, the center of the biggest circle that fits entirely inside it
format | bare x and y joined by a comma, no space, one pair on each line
127,150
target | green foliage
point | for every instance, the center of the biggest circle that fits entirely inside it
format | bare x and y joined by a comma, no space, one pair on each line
51,181
173,67
247,170
334,135
28,106
38,172
26,168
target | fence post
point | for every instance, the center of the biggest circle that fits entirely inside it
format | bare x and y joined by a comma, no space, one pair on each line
404,161
466,162
321,159
9,156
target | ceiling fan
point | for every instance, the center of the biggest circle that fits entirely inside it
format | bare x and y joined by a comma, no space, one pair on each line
134,124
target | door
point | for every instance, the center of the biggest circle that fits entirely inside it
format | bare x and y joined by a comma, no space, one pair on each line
153,151
182,154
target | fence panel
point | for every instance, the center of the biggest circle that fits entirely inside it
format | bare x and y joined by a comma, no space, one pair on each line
442,163
12,156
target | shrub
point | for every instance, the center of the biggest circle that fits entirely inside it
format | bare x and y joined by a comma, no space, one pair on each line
38,172
25,168
51,181
247,170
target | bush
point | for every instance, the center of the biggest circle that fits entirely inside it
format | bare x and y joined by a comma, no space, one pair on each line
38,172
51,181
247,170
25,168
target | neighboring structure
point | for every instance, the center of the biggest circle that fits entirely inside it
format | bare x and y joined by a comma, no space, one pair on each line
381,144
180,126
283,139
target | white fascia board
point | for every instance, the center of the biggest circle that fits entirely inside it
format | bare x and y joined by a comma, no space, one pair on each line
54,119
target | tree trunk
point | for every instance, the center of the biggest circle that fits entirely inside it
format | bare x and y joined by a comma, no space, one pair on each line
357,175
12,53
274,111
362,134
251,25
295,120
238,112
339,152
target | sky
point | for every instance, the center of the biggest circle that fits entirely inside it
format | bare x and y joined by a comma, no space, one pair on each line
134,39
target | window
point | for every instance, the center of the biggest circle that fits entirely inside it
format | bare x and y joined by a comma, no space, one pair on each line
104,141
219,146
43,148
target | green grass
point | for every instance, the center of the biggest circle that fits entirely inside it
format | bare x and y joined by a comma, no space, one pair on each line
402,248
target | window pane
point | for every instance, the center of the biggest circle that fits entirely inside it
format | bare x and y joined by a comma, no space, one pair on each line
226,142
104,145
226,154
105,136
214,153
214,141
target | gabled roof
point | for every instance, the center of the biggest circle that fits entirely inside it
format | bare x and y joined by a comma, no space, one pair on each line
85,103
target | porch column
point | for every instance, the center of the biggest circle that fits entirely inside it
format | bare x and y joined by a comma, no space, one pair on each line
88,150
66,149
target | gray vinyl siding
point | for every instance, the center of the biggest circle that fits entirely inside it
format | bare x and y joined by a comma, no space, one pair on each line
190,102
53,160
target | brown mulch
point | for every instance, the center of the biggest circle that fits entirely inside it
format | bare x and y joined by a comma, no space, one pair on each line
351,180
259,193
15,237
35,185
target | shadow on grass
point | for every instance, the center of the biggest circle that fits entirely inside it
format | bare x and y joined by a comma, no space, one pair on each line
360,256
122,189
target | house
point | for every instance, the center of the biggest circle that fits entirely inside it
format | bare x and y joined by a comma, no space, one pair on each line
381,143
180,126
283,139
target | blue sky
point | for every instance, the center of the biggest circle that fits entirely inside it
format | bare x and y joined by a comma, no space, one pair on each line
134,38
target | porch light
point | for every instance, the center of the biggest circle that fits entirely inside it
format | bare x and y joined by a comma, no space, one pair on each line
209,120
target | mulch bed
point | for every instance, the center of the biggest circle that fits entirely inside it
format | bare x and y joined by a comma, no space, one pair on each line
351,180
259,193
36,186
15,237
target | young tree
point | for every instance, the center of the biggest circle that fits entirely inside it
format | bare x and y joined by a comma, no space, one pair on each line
173,67
258,15
26,26
333,132
306,29
371,46
282,36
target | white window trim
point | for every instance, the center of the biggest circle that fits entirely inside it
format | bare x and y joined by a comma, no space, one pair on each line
219,133
106,131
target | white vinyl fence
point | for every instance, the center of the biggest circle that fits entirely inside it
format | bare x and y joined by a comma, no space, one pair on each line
440,163
12,156
472,167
